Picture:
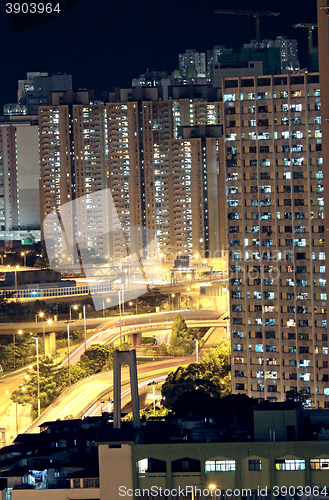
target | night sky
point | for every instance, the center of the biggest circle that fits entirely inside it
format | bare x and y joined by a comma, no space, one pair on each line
104,44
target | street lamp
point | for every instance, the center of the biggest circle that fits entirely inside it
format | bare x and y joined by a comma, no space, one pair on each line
197,350
14,340
75,307
68,352
23,254
38,372
17,267
131,304
84,325
2,256
49,321
172,301
107,300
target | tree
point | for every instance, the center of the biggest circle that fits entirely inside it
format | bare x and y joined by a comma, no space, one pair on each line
40,306
298,396
217,361
95,358
153,298
210,377
182,338
23,351
53,381
10,311
42,261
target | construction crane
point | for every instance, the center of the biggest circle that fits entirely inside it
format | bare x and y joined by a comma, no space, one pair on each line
310,27
255,14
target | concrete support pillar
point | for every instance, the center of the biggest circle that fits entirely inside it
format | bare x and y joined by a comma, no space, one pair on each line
137,338
128,357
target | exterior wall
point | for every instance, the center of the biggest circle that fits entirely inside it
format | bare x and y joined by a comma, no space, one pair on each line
89,175
323,43
270,425
19,168
186,201
9,178
142,165
72,157
125,146
275,210
113,474
124,172
55,156
57,494
28,174
115,470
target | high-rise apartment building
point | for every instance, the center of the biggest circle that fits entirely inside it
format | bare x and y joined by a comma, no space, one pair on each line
72,157
19,173
33,92
288,50
192,63
323,41
275,211
158,179
145,155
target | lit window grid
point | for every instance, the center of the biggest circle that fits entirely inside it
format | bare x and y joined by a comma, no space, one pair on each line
230,183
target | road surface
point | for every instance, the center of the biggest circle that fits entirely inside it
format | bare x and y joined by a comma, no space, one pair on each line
75,401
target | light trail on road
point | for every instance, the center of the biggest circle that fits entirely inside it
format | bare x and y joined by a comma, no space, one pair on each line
97,409
75,401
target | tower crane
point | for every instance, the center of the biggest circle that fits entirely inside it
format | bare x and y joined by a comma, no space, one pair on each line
310,27
256,14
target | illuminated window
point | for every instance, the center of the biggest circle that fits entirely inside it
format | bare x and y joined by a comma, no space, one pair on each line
319,463
290,464
220,465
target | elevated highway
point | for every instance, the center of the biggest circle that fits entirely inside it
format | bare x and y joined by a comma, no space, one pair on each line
108,331
76,400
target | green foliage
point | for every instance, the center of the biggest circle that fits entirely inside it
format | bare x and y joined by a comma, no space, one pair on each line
217,361
10,312
95,358
182,338
153,298
24,351
40,306
54,380
148,412
147,341
298,396
75,338
163,348
210,377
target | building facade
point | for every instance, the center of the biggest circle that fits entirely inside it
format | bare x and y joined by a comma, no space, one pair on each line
275,211
288,51
19,173
192,61
158,180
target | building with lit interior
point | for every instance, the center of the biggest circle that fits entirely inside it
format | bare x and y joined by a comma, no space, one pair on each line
275,210
159,180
